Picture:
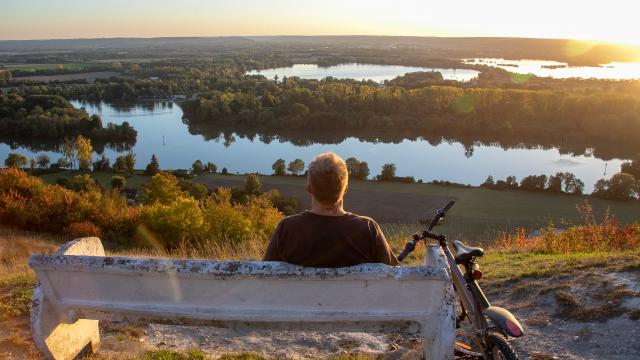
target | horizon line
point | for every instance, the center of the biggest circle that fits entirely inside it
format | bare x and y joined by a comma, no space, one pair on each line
333,35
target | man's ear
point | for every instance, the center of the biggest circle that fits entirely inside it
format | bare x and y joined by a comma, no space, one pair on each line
308,189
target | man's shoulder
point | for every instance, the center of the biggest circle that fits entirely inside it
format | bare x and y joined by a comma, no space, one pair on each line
306,216
363,219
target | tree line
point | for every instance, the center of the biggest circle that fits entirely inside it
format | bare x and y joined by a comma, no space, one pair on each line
581,121
50,119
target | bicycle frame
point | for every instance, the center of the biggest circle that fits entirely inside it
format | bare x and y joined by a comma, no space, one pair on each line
470,304
475,304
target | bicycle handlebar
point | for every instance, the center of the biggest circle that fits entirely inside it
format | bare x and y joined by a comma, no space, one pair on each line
411,245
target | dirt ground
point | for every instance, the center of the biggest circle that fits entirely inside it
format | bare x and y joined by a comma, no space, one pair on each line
385,207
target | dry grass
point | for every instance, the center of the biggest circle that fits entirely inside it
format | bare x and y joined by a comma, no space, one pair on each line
590,236
15,248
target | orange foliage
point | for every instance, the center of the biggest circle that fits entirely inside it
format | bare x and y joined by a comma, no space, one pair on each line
27,203
82,229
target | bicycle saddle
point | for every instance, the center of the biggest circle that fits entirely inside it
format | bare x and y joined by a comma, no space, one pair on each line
465,253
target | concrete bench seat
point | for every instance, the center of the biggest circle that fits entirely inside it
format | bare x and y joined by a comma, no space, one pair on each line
79,286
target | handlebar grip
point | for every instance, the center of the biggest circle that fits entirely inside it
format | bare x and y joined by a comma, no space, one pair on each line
403,255
407,249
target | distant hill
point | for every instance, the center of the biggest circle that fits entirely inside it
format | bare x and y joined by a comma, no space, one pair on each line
573,52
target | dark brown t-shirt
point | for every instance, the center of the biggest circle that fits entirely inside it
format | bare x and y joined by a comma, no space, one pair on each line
308,239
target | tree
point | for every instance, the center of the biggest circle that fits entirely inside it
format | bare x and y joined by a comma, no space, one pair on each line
512,183
118,182
5,75
554,184
489,183
153,167
121,164
601,189
211,168
197,167
296,167
224,171
16,160
357,169
43,161
130,162
534,183
623,186
85,151
363,170
63,163
102,164
85,182
279,168
500,185
572,185
198,191
69,150
632,167
252,185
388,172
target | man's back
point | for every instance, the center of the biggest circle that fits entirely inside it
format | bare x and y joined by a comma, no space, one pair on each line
310,239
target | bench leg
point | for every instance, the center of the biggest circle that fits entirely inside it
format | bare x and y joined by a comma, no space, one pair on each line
437,343
57,340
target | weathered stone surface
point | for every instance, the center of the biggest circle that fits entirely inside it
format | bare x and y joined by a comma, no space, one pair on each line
238,293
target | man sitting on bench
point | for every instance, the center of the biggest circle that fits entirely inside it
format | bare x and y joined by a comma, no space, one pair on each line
327,235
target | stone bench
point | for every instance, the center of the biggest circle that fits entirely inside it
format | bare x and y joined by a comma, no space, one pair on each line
80,286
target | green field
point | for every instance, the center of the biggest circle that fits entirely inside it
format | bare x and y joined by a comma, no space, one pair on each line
477,216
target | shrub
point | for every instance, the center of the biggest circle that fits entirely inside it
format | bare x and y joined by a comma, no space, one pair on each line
180,220
118,182
27,203
252,185
163,188
82,229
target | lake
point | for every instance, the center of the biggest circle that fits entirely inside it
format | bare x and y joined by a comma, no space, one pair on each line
161,131
560,70
377,73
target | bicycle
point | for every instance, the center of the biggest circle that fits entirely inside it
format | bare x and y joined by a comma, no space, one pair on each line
489,339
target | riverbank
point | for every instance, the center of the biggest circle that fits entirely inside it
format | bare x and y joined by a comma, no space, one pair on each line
479,214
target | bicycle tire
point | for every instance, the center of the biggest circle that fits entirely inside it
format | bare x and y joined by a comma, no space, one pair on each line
498,345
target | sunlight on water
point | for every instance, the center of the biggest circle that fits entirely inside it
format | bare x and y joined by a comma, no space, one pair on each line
377,73
560,70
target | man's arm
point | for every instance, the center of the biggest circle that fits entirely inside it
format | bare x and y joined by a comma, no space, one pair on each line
383,253
272,253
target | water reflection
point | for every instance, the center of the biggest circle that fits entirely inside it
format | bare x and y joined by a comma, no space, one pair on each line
428,156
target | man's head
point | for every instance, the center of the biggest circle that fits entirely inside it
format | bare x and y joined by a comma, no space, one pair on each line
327,178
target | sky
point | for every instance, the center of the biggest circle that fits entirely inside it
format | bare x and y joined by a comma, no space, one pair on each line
611,20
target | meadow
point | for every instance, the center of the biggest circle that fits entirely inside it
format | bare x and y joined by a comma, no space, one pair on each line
478,216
